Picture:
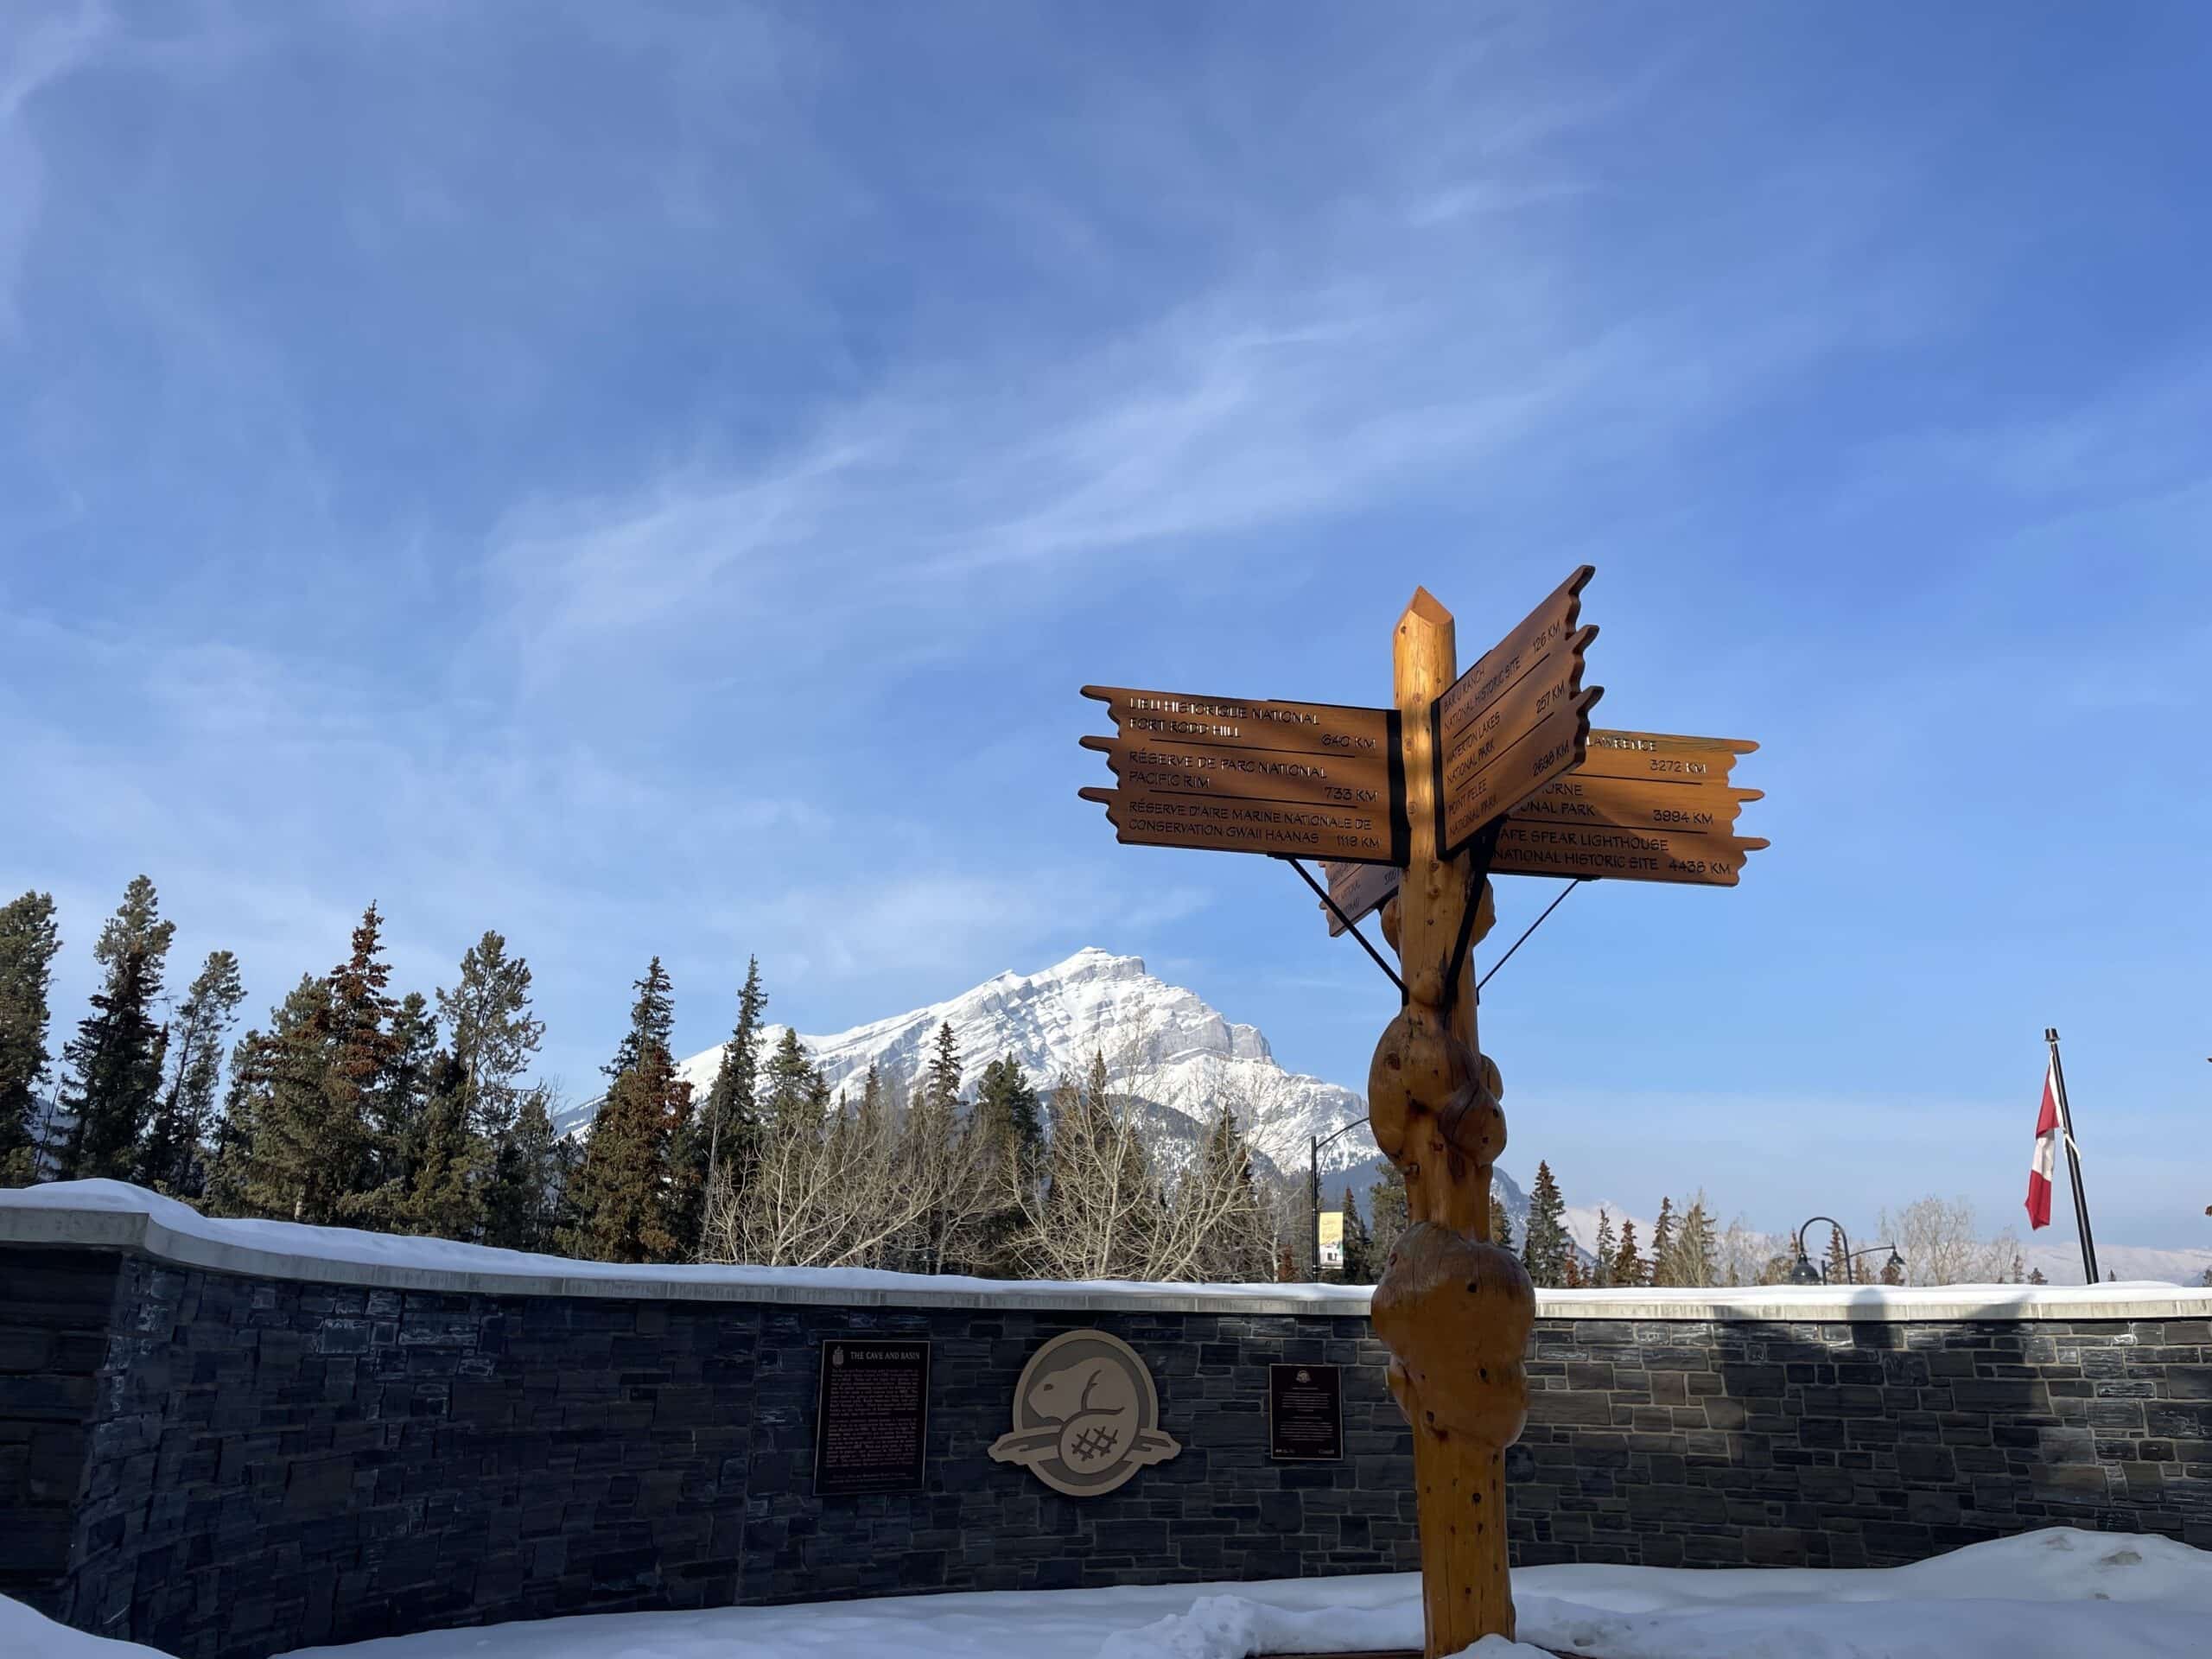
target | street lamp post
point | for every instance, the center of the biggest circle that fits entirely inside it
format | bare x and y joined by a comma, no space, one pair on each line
1314,1183
1804,1272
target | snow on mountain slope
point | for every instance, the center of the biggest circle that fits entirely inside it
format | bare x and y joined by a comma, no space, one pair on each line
1163,1044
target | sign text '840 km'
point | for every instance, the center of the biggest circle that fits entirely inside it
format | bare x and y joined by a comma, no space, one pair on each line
1251,774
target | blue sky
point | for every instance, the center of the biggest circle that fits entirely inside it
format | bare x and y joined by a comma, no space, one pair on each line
652,477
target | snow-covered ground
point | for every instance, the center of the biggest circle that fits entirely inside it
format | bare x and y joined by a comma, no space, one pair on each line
2056,1594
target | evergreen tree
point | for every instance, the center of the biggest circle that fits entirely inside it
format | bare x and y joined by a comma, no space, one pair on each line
445,1159
1601,1270
931,1142
1545,1248
1005,1099
277,1106
173,1157
1696,1251
1835,1269
652,1021
323,1094
492,1032
790,1081
1893,1274
1574,1278
1386,1218
941,1084
114,1059
733,1115
1006,1149
396,1108
29,942
1663,1244
518,1192
1629,1267
625,1192
230,1145
1359,1253
1501,1223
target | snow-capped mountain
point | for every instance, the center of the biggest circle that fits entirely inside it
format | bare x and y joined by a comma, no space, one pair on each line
1162,1042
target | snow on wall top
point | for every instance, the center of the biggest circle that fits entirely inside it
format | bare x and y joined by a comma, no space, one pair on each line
114,1215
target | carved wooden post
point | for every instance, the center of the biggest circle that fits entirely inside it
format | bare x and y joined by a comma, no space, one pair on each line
1453,1309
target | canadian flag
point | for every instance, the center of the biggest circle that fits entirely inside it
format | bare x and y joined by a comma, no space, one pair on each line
2044,1164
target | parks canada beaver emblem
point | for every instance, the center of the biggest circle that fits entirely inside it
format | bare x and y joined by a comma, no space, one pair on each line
1086,1416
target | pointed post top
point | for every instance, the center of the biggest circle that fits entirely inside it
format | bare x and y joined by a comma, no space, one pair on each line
1428,608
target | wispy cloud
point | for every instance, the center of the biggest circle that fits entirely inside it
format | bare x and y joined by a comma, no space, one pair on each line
36,53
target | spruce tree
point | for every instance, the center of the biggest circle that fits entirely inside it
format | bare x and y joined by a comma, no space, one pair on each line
1836,1269
445,1158
1545,1248
931,1143
1386,1218
278,1105
1006,1098
323,1098
1501,1223
518,1192
1663,1244
114,1059
1359,1255
941,1084
1601,1269
628,1200
492,1033
1006,1139
733,1114
1629,1267
1694,1257
652,1021
29,942
231,1144
396,1108
788,1096
173,1157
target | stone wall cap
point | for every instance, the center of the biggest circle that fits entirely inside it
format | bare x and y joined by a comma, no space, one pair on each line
112,1215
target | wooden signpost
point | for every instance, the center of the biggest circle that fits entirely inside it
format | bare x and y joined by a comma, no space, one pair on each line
1412,809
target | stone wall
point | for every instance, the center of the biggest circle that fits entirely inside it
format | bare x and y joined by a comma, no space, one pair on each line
1857,1443
228,1452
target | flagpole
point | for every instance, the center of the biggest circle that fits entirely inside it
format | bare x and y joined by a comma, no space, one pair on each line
2073,1160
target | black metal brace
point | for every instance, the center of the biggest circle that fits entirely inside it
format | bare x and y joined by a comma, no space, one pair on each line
1351,927
1480,851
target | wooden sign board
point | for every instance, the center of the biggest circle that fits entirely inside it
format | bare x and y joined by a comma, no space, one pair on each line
1636,802
1654,781
1603,851
1657,755
1516,720
1228,823
1254,775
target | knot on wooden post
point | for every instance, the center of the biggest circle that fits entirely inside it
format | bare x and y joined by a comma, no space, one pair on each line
1456,1314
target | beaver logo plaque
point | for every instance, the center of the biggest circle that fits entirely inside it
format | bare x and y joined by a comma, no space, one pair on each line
1086,1416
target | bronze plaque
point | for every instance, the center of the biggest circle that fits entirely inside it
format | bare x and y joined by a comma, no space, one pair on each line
1257,775
871,1416
1232,823
1518,719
